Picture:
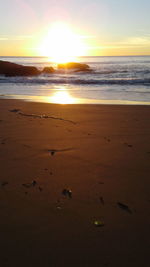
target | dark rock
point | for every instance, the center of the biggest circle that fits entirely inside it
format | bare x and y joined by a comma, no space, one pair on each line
48,70
75,66
13,69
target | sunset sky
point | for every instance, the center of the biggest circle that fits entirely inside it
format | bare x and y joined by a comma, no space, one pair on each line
105,27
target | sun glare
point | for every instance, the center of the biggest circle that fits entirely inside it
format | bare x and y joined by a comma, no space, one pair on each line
61,45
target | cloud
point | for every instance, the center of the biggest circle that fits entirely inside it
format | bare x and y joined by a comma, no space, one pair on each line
15,38
3,38
137,41
130,42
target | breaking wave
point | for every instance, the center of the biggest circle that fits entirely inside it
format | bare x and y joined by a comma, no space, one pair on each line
74,81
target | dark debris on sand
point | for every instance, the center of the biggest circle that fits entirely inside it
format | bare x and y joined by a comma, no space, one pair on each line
129,145
67,193
124,207
4,183
53,151
99,223
28,185
14,110
102,200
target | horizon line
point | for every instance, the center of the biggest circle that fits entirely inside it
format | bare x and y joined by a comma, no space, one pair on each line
83,56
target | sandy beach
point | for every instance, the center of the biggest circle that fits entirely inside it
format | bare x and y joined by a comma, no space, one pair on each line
74,185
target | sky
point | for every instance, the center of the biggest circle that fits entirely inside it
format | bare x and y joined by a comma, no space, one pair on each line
107,27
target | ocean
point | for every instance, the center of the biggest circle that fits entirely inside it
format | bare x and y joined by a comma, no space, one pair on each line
115,80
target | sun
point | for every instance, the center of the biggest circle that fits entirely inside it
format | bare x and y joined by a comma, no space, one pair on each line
61,44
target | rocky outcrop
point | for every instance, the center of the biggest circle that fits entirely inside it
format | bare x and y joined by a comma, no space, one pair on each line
48,70
13,69
74,66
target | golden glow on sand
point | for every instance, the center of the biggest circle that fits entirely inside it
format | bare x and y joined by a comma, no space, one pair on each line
62,97
61,45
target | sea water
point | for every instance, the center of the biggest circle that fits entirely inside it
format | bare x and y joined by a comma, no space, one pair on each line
123,80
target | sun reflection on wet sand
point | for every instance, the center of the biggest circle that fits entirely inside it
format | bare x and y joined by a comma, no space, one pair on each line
62,96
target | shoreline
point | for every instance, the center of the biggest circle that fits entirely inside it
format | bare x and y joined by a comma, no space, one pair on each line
101,153
110,79
77,101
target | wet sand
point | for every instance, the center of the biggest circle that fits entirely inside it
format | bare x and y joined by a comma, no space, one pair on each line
74,185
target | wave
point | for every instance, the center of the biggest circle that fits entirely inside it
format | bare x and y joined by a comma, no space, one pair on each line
74,81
